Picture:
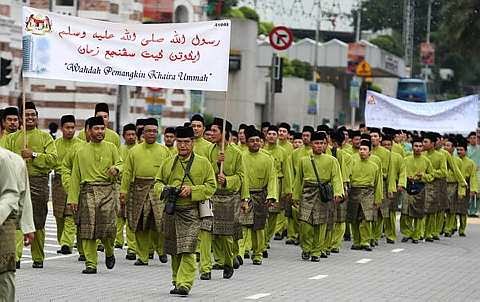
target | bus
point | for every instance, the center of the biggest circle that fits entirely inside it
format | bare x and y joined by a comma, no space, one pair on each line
412,90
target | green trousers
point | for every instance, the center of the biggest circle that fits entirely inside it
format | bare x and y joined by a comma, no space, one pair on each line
281,223
411,227
119,239
245,244
377,228
270,228
224,249
326,246
66,231
430,225
450,223
257,241
183,270
38,243
312,238
145,240
390,225
90,250
7,287
292,225
337,235
463,224
205,251
361,233
439,221
217,253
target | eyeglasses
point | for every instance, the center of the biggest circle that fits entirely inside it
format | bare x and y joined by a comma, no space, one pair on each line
183,142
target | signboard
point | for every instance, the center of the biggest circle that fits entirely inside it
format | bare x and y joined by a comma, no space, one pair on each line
355,55
355,92
175,55
427,53
364,69
313,92
453,116
280,38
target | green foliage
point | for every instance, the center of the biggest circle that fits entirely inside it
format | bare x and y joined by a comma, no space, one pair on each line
249,13
264,28
388,43
234,13
298,69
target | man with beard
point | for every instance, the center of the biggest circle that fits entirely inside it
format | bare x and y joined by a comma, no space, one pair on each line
144,209
102,110
315,172
92,194
185,180
66,228
262,182
169,140
40,154
10,122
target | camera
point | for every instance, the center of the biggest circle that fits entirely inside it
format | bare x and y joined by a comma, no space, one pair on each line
170,195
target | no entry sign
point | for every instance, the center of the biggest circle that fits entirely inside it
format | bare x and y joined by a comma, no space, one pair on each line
281,37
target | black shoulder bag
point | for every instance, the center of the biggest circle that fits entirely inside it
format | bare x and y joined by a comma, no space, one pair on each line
325,189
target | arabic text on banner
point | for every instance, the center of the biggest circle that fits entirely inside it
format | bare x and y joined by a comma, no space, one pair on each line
177,55
454,116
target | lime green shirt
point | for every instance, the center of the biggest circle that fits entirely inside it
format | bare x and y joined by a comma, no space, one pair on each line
419,164
67,165
91,164
143,161
261,173
469,169
201,146
64,146
40,142
282,165
366,173
298,154
398,148
439,163
125,150
397,173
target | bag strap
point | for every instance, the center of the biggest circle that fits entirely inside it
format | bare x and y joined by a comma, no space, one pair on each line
186,170
315,170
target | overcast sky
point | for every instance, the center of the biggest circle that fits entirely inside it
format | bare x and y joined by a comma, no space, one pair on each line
302,13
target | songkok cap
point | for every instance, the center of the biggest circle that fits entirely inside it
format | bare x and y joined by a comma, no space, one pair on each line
375,130
251,132
219,123
129,127
184,132
95,121
365,136
387,137
187,124
265,124
308,129
389,131
431,136
242,126
272,128
462,143
169,130
9,111
366,143
324,128
417,139
197,117
67,119
355,133
297,135
338,136
101,107
319,135
208,127
151,122
285,126
234,133
140,122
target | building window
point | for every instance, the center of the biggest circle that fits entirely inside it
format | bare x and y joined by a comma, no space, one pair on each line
64,2
181,14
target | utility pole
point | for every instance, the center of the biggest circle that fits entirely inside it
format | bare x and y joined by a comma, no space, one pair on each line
429,20
408,31
357,39
315,59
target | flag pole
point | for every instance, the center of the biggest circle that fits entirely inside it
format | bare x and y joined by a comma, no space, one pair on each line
223,130
25,142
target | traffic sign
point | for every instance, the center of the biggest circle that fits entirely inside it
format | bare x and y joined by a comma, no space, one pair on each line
364,69
280,37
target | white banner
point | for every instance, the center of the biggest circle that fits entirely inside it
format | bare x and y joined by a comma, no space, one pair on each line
175,55
454,116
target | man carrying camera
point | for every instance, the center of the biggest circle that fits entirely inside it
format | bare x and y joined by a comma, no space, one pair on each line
182,182
317,183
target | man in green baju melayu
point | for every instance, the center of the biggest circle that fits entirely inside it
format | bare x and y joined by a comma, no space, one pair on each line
185,180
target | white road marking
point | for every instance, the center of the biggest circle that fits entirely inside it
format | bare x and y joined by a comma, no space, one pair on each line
258,296
397,250
53,258
364,260
318,277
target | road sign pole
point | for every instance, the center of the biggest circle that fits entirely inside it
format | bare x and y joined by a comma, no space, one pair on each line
272,90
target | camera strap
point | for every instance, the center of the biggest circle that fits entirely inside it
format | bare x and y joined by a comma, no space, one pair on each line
185,169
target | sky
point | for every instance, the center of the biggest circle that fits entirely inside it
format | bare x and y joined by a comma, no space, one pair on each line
302,13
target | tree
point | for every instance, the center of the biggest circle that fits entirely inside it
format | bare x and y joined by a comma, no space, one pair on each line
389,43
250,13
264,28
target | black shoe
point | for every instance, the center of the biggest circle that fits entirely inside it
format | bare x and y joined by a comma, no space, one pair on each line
150,256
367,248
421,238
429,239
100,248
17,265
390,241
265,254
37,264
59,251
118,246
236,264
197,257
462,235
328,253
347,238
305,256
436,237
290,242
89,270
228,272
335,250
163,258
174,291
182,291
240,259
110,262
217,266
415,241
315,259
356,248
82,258
246,255
206,276
297,242
132,256
323,255
375,242
65,250
278,236
140,263
258,262
405,239
448,235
